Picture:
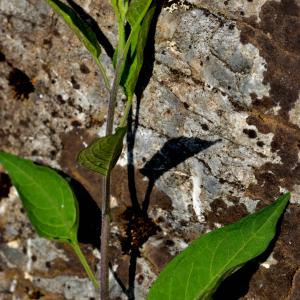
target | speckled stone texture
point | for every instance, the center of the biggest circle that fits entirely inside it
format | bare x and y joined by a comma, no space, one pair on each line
215,135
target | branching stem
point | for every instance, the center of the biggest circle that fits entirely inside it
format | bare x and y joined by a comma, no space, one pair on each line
105,226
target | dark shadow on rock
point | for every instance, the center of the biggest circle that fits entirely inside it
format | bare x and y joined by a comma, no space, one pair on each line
174,152
132,272
89,216
149,53
147,69
5,184
118,280
102,39
236,285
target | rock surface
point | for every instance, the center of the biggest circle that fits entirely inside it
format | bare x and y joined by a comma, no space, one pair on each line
215,136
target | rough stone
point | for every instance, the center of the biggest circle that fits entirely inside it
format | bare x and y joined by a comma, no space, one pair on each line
215,137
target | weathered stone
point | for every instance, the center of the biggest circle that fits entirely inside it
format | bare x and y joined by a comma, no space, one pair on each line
223,96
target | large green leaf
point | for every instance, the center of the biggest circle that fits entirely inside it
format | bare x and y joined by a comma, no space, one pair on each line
49,201
197,271
82,29
138,54
102,155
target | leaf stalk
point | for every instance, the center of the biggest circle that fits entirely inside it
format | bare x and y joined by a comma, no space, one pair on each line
85,264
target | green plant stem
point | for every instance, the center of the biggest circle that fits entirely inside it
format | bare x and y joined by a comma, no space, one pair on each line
103,73
85,264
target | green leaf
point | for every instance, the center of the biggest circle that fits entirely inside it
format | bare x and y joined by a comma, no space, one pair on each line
120,7
138,55
114,4
49,201
102,155
136,11
139,16
197,271
134,14
82,29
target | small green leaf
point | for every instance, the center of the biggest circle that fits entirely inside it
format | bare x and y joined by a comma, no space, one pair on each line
102,155
114,4
197,271
134,15
82,29
120,9
139,16
49,201
136,11
138,55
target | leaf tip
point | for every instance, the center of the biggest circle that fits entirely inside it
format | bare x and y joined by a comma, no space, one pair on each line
285,198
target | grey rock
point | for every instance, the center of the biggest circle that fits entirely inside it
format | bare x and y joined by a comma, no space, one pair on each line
213,80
